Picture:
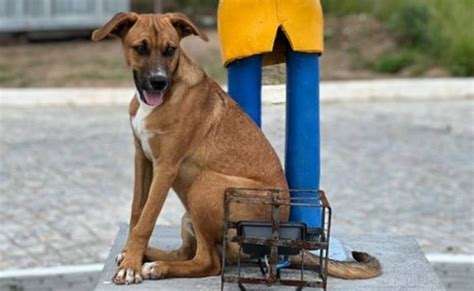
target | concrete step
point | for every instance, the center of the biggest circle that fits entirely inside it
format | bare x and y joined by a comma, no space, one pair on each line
405,265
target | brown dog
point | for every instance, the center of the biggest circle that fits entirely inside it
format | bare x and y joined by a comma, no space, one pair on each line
192,137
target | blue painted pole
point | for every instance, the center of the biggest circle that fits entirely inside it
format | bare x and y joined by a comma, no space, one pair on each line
245,85
302,152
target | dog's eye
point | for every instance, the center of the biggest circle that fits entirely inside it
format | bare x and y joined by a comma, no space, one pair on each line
169,51
141,49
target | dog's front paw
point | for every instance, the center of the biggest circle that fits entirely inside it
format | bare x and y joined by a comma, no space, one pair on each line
153,270
127,274
119,258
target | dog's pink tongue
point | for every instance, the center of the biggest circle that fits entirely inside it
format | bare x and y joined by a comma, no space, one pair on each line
153,99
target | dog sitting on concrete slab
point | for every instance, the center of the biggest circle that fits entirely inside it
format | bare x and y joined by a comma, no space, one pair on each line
192,137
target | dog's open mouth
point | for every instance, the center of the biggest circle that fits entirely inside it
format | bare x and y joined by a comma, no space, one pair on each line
153,98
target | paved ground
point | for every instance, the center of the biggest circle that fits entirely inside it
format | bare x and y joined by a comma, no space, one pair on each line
401,168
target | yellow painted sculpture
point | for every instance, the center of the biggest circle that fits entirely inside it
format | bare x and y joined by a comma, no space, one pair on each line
249,27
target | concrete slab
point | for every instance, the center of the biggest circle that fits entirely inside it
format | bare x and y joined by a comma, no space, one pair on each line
405,265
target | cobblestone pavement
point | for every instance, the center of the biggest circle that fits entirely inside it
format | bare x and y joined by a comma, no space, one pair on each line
403,168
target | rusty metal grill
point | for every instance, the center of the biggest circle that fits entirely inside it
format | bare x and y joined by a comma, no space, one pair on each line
315,239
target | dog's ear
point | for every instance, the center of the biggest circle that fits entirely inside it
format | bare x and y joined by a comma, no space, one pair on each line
120,23
184,26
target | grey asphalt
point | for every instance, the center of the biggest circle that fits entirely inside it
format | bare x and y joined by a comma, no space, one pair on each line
402,168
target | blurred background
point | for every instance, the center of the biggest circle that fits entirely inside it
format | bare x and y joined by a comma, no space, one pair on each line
365,39
402,165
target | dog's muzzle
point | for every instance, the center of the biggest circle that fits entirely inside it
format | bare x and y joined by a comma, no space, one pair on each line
152,89
158,82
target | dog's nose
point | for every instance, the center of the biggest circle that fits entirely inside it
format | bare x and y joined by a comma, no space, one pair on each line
158,82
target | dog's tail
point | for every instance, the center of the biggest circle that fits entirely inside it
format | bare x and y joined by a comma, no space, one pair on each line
365,265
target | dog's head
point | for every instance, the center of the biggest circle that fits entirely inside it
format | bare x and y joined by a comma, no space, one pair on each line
151,43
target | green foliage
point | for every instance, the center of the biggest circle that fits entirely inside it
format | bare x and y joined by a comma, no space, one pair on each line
393,62
411,24
460,57
440,29
379,8
454,35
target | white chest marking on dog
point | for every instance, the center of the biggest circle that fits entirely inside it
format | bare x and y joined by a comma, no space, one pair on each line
143,134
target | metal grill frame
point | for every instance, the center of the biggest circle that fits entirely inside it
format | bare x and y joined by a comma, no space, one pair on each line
271,197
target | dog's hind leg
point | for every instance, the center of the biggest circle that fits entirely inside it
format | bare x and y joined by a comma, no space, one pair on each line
205,201
205,207
186,251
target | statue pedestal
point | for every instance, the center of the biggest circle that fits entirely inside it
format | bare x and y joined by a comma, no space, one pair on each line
404,266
